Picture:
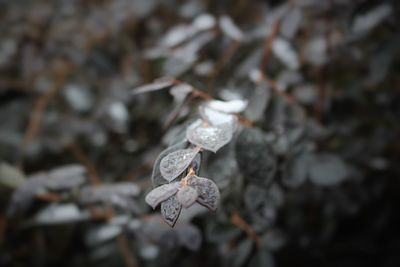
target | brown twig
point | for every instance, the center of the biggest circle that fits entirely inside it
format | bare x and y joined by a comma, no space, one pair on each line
268,44
242,224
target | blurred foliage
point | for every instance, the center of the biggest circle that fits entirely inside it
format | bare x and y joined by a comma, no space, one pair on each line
310,179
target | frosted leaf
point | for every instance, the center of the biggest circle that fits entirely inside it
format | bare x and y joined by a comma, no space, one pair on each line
229,28
180,91
216,118
161,193
284,52
154,86
170,210
204,22
156,177
233,106
175,163
207,190
186,196
209,137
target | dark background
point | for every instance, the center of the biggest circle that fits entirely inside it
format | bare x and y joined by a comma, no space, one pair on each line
330,112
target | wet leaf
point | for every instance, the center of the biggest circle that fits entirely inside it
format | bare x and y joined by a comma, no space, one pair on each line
161,193
186,196
175,163
209,137
170,210
208,192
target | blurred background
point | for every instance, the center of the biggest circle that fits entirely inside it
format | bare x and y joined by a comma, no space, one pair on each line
77,147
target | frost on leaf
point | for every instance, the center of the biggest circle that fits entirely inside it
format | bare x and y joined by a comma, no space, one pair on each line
209,137
233,106
207,190
161,193
216,118
170,210
175,163
156,177
186,196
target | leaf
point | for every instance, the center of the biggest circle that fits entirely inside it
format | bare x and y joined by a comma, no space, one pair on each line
209,137
175,163
363,23
233,106
66,177
255,157
60,214
207,190
327,170
229,28
241,253
296,171
291,23
103,233
177,35
155,86
196,163
10,177
204,22
107,193
258,102
186,196
284,51
156,177
180,91
216,118
170,210
161,193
